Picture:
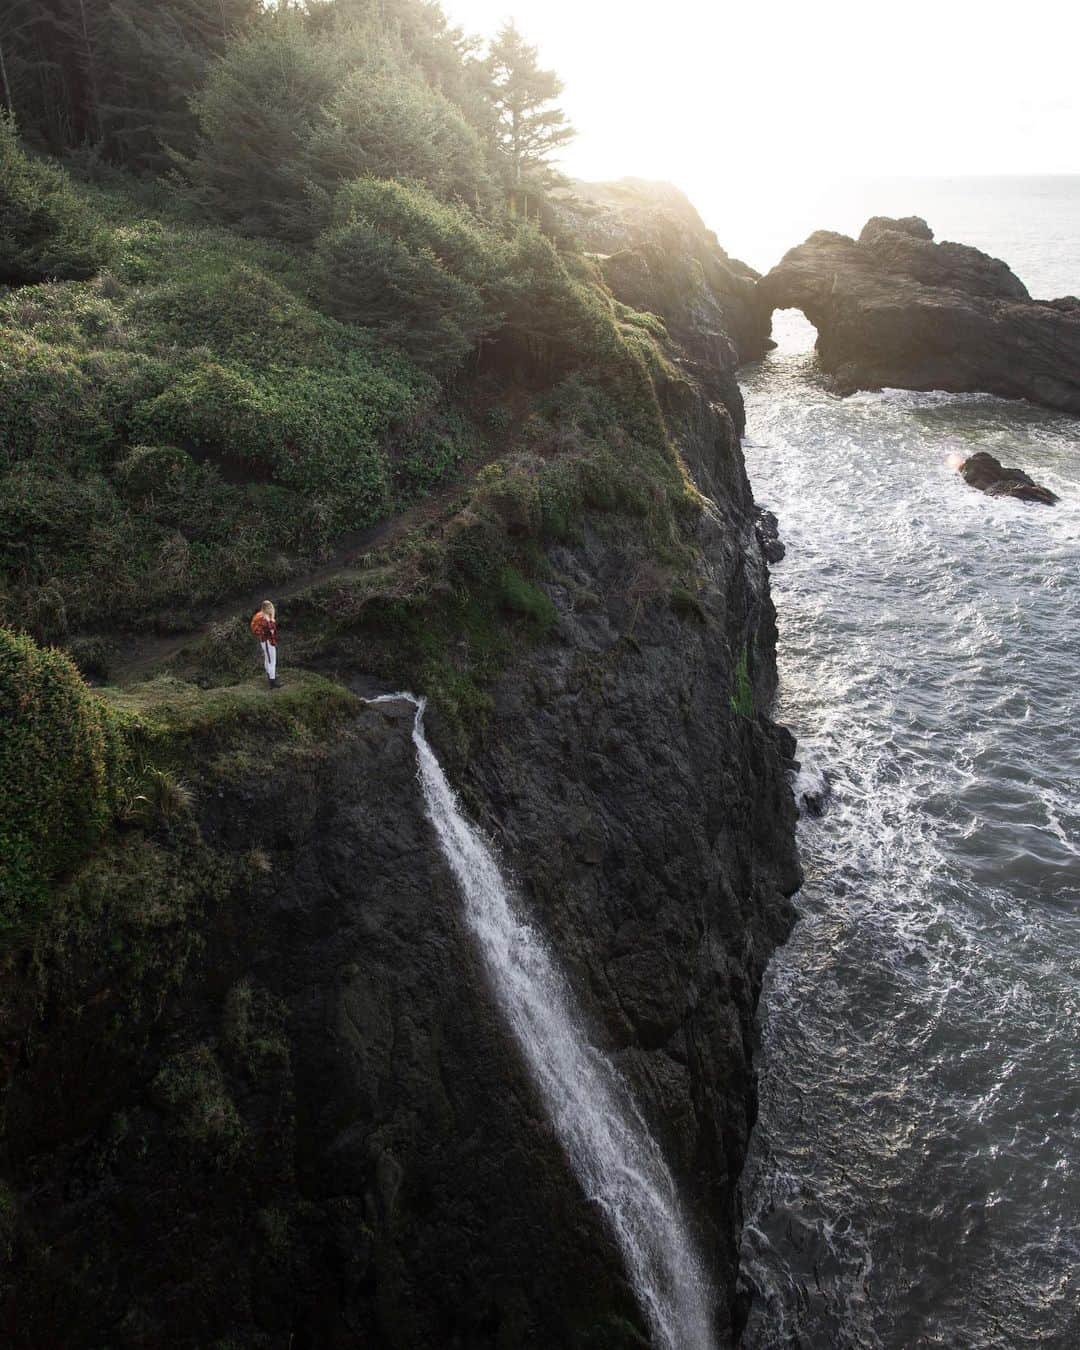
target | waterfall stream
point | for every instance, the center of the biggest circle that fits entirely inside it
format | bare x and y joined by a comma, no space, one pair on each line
614,1157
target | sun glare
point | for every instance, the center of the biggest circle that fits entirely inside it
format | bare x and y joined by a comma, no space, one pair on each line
747,108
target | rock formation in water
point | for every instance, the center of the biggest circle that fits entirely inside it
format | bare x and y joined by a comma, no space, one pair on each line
989,475
893,308
276,1104
768,531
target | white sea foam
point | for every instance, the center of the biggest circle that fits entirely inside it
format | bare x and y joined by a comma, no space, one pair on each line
912,1177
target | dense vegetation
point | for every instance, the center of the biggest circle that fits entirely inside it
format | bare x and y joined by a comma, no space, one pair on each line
112,77
273,278
61,760
45,230
299,268
302,326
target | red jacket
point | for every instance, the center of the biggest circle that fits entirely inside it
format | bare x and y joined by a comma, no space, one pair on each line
264,629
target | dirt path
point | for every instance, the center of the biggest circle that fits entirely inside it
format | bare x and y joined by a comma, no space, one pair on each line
140,656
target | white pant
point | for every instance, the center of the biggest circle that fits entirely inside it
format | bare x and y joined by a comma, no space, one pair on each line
270,659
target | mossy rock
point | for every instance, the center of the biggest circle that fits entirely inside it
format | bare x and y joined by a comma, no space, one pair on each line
191,1089
62,756
173,721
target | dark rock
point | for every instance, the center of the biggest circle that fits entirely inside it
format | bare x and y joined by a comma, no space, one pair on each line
813,802
896,309
768,533
913,226
986,473
380,1170
658,255
813,790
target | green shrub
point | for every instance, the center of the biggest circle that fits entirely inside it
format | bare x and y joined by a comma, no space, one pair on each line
48,408
61,756
239,312
742,700
560,319
414,216
159,797
411,299
45,229
522,597
308,429
415,269
386,121
426,452
257,113
511,492
292,110
153,473
191,1088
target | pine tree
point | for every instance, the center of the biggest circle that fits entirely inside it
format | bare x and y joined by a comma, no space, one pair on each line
52,65
529,129
157,57
258,114
114,76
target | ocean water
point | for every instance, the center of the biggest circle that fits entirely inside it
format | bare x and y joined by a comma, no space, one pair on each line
914,1178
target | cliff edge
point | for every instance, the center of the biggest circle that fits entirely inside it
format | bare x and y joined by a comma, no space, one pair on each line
258,1091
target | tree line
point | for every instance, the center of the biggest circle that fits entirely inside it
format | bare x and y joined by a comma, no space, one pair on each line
326,88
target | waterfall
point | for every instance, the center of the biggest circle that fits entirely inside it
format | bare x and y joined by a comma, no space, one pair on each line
614,1157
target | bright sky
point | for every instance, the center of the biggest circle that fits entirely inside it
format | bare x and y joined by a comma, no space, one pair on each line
687,90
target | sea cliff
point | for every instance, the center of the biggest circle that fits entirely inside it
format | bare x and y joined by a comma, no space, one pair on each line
257,1089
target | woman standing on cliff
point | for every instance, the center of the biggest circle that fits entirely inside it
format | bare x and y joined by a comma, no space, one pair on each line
264,626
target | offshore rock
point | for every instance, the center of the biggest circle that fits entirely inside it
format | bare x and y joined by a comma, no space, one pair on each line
895,309
768,533
989,475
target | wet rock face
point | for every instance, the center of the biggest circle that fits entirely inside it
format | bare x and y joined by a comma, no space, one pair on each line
894,308
768,533
389,1177
989,475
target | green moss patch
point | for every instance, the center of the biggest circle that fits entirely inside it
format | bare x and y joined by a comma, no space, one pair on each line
742,700
173,722
191,1088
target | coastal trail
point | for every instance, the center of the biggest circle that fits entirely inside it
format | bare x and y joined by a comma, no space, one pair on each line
139,655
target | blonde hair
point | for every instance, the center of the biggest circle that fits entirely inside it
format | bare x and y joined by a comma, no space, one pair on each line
268,609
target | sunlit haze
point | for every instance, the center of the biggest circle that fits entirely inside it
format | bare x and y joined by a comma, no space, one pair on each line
759,100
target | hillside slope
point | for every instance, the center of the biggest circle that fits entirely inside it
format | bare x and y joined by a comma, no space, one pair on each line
259,1092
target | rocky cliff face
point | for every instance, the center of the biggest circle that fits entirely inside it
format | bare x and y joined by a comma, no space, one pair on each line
658,255
894,308
322,1134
